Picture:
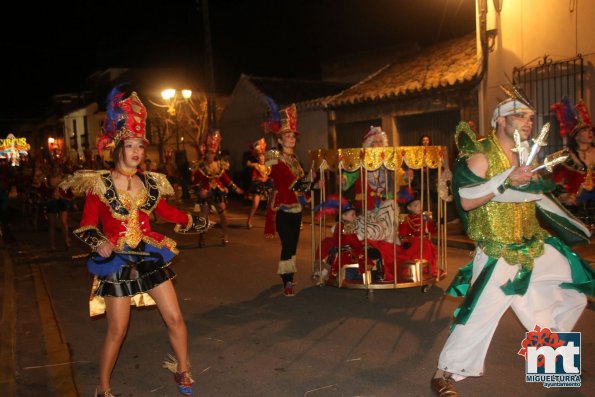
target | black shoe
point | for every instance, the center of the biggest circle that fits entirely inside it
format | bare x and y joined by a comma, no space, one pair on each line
377,277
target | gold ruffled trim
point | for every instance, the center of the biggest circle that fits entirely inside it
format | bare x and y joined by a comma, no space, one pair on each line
97,303
371,159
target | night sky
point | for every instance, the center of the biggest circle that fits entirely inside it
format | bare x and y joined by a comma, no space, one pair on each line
50,48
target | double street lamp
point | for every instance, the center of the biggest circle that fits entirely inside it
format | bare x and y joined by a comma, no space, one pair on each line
174,97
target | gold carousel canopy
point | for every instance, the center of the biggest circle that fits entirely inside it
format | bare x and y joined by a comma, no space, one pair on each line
371,159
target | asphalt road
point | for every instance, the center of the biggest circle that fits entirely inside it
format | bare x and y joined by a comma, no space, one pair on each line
246,338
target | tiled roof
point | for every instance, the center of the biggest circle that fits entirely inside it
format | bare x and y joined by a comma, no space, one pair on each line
287,91
440,66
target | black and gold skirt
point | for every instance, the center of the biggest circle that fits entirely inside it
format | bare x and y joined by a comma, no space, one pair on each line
139,273
263,189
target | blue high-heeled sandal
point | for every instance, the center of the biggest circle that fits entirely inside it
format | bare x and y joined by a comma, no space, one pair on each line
183,378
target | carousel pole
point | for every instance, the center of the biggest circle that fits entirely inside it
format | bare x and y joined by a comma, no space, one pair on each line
440,242
365,188
313,227
340,226
395,232
444,235
419,263
321,224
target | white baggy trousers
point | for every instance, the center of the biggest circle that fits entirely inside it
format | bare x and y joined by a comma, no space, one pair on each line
544,304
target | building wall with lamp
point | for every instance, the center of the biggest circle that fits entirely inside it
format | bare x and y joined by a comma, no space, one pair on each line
248,107
81,130
526,31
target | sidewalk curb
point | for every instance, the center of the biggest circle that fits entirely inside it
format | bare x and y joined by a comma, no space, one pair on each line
59,360
8,326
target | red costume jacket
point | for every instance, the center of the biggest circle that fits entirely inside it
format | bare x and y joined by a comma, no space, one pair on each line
575,177
208,179
287,175
260,172
352,249
125,219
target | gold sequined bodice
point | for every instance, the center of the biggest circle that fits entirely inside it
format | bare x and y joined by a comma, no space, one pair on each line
263,171
134,234
293,164
504,223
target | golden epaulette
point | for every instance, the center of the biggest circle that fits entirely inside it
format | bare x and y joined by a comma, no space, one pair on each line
165,188
85,181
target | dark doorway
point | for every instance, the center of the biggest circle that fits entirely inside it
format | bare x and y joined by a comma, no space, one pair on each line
350,135
439,126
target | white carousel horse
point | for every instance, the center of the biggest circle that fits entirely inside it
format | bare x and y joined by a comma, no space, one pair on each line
381,224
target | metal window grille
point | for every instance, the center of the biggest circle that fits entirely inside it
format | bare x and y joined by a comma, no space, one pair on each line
545,84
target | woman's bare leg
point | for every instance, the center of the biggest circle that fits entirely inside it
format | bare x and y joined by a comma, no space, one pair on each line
204,211
255,204
169,307
64,221
221,210
118,317
52,229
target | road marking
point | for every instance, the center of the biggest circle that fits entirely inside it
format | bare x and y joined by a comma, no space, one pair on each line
8,327
61,376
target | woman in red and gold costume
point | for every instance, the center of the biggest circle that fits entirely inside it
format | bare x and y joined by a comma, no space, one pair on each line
289,197
260,183
213,184
131,263
576,175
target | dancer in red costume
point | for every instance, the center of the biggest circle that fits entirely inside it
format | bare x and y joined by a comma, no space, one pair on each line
576,176
129,260
260,182
290,195
214,185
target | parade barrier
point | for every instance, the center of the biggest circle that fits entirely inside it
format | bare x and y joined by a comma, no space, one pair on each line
401,271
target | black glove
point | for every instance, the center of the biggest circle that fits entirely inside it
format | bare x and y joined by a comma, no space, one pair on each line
302,185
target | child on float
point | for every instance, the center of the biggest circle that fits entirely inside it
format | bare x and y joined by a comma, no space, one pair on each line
415,243
345,246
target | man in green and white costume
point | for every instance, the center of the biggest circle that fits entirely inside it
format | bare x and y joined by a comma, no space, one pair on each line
517,263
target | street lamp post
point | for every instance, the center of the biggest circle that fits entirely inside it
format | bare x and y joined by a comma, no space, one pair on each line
172,96
54,147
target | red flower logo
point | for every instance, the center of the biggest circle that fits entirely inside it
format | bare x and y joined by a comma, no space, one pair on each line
540,337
